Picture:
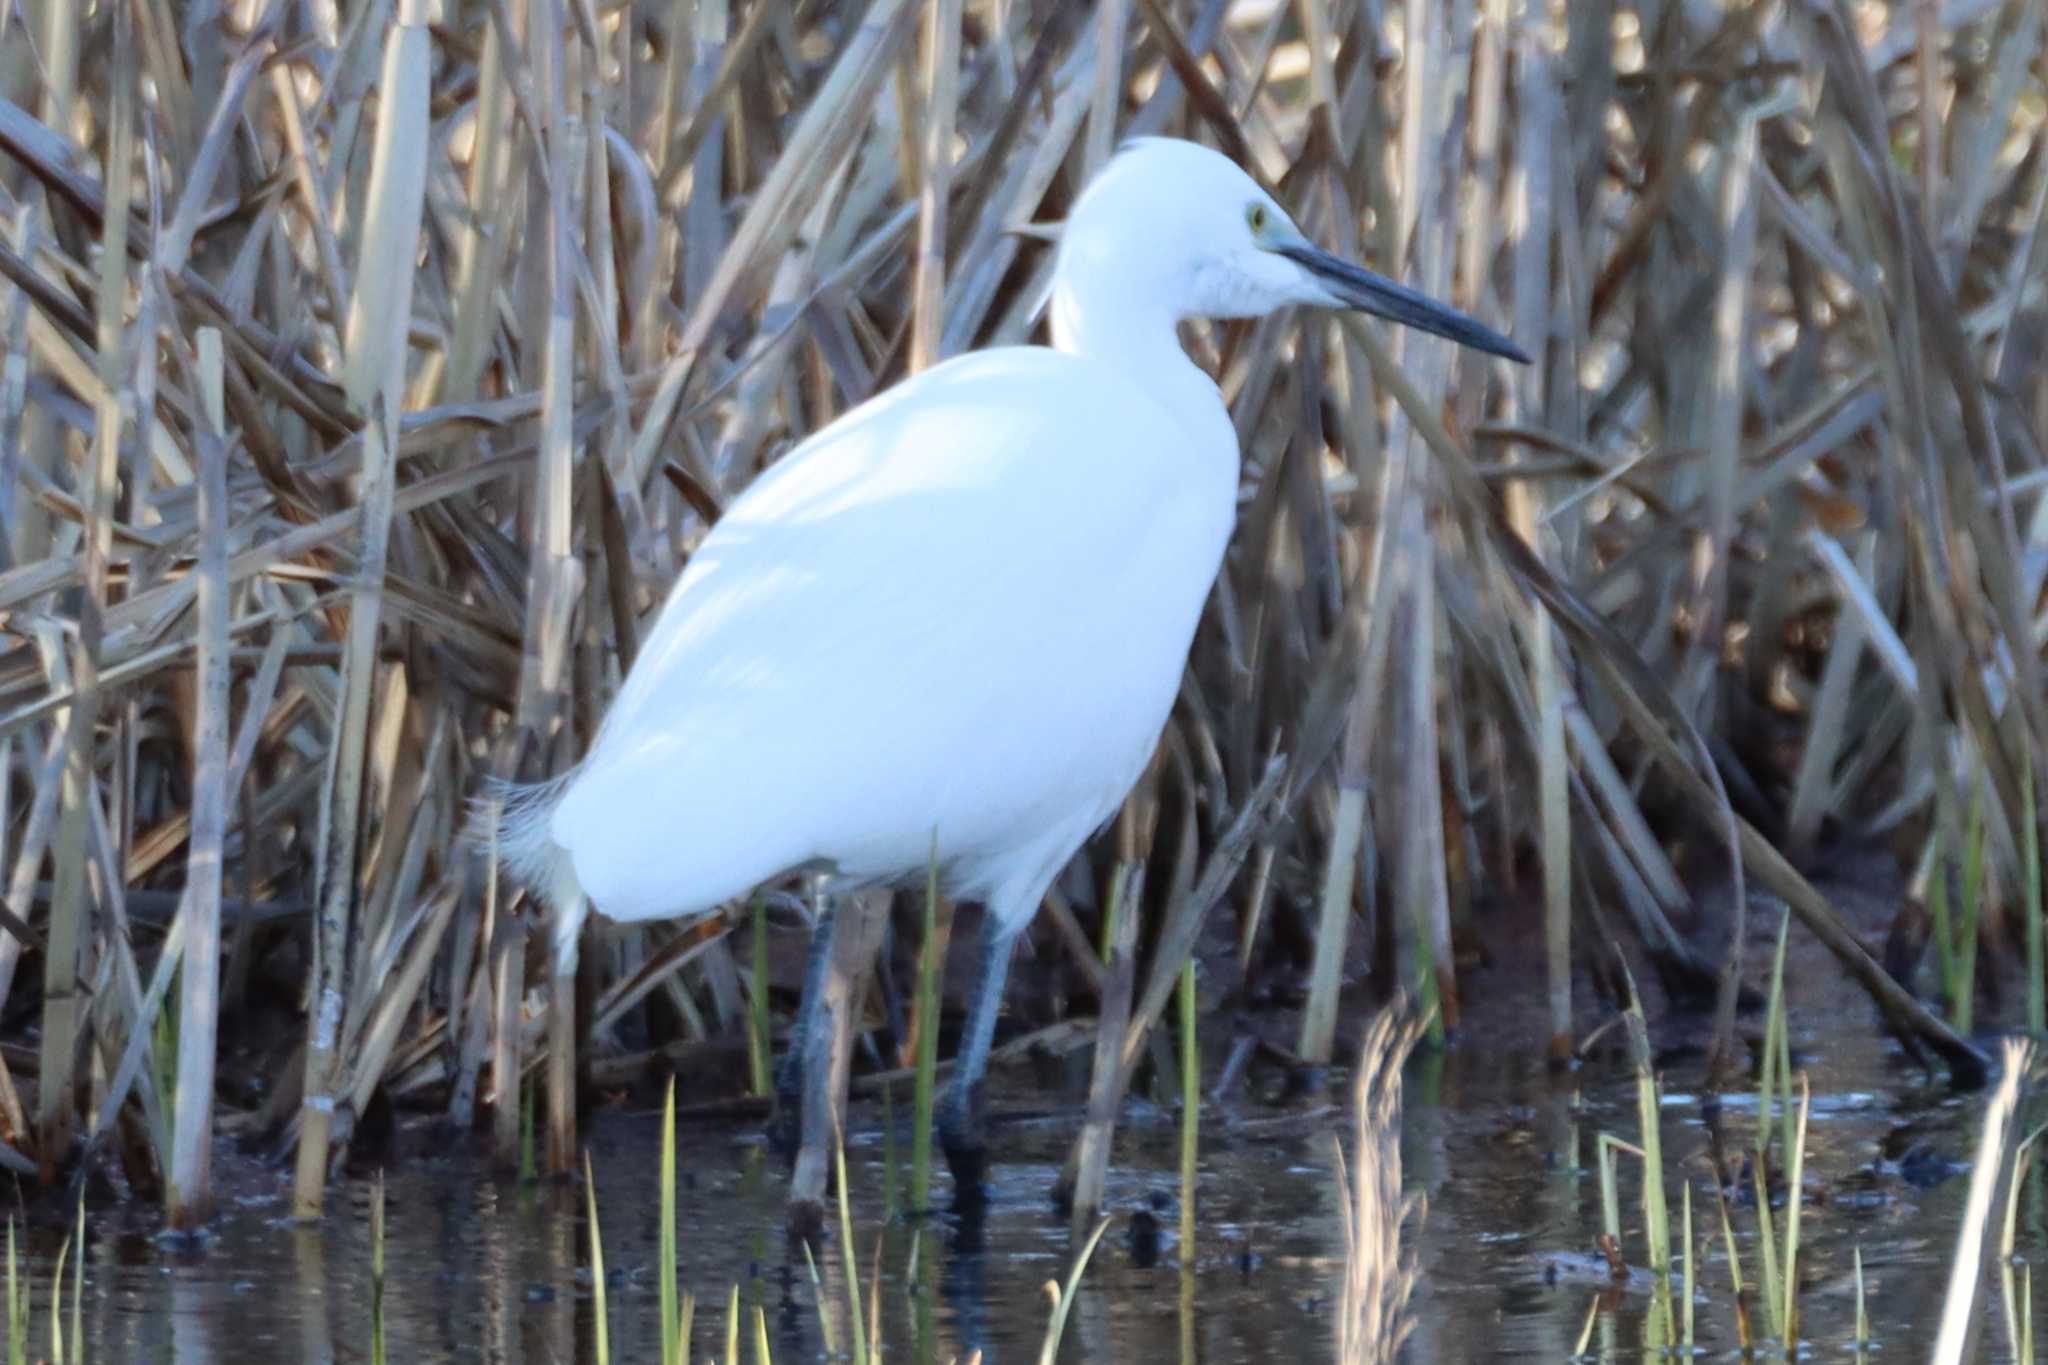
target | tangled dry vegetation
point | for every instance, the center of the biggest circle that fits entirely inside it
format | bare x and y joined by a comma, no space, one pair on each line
370,369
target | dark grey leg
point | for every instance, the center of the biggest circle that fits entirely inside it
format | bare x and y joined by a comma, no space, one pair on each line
961,1118
827,1049
785,1127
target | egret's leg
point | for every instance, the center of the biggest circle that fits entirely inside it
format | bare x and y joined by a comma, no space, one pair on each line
785,1130
961,1114
827,1045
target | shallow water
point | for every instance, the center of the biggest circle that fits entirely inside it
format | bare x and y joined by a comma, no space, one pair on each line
483,1270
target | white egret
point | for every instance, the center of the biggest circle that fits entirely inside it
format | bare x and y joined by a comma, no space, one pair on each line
958,615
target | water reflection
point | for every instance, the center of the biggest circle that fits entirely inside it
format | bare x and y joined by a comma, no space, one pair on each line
488,1271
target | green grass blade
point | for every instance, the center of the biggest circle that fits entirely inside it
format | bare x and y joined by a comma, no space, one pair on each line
1772,1289
1776,1084
1688,1285
1971,914
1064,1299
527,1100
603,1325
671,1323
1190,1111
892,1195
17,1306
2030,853
1610,1195
1862,1314
377,1348
824,1309
1944,932
1795,1203
849,1260
78,1284
57,1306
1742,1333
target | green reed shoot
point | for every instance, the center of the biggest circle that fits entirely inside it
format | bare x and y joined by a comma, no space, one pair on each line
1610,1189
377,1354
2027,1317
528,1097
923,1293
892,1196
2030,854
2008,1236
818,1297
604,1335
673,1334
1063,1299
1773,1288
17,1306
732,1327
1656,1218
1937,910
1581,1349
1971,912
1862,1314
758,1071
930,964
1190,1110
848,1259
164,1061
1742,1333
1795,1203
1688,1285
875,1305
57,1307
78,1283
761,1336
1775,1075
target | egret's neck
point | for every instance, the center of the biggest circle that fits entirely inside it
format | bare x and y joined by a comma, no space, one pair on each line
1119,325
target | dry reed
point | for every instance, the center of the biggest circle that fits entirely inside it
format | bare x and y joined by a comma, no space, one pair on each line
379,369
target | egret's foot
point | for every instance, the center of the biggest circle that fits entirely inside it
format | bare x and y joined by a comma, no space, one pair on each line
963,1138
805,1222
969,1165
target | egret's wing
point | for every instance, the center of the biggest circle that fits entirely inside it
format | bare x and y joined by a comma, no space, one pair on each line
889,619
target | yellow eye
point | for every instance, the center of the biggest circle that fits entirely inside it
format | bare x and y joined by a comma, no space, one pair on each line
1255,216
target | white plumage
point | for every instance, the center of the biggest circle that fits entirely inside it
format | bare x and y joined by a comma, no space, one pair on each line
947,614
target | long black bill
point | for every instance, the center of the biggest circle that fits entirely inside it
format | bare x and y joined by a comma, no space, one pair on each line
1362,289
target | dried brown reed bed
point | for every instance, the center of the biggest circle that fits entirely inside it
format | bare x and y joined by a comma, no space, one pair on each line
367,379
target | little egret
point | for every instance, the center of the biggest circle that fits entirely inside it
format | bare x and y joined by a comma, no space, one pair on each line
954,619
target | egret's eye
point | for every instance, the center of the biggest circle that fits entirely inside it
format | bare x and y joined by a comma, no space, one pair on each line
1255,217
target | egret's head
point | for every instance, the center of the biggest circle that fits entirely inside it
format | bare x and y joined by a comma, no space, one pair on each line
1176,226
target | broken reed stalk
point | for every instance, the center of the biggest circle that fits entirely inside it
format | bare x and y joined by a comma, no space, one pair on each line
1372,1315
379,325
1090,1162
187,1193
63,998
935,178
554,574
1960,1323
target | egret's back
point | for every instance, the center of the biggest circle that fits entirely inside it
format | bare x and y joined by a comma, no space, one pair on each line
960,612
